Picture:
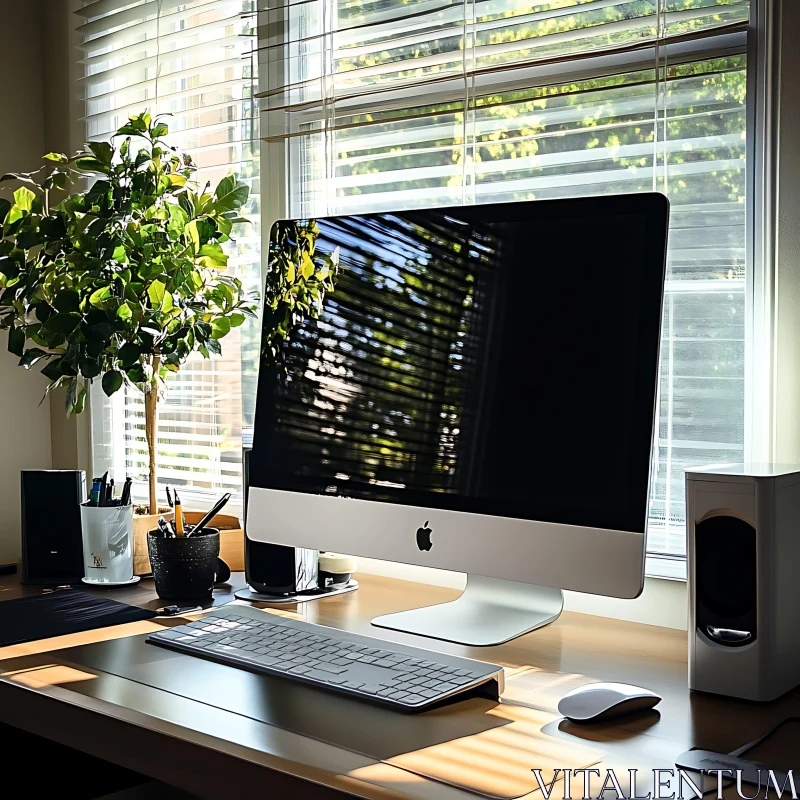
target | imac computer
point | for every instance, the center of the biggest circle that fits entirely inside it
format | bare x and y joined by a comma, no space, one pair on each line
473,389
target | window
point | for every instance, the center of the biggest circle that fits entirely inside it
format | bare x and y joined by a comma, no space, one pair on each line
384,104
191,59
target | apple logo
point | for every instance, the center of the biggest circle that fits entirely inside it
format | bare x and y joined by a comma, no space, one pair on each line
424,537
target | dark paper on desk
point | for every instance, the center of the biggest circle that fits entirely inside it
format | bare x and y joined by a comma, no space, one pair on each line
43,616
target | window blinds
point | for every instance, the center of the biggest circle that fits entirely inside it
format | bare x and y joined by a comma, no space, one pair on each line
373,105
192,60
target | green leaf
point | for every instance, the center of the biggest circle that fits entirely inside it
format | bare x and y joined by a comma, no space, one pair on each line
220,327
5,207
236,320
66,300
99,295
22,177
80,401
58,158
124,312
103,151
231,194
32,355
129,354
112,382
52,370
23,198
178,218
156,292
63,323
193,232
92,165
16,341
212,256
120,254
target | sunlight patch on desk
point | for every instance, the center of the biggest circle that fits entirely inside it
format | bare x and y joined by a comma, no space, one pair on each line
75,639
536,688
498,762
48,675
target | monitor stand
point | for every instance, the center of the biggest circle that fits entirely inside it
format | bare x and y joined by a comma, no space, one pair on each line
490,611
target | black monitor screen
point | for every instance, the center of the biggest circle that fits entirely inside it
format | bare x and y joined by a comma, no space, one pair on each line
498,359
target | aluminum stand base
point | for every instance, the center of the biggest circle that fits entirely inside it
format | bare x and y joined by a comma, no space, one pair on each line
489,612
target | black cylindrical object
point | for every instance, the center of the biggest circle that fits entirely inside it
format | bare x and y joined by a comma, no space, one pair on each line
184,568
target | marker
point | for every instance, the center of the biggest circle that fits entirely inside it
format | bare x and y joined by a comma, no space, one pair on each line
94,495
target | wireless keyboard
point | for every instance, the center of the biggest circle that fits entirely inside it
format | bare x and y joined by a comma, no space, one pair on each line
405,678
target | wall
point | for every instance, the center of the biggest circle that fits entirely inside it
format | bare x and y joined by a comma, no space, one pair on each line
25,423
64,133
786,391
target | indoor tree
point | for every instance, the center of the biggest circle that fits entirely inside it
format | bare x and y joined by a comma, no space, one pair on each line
120,282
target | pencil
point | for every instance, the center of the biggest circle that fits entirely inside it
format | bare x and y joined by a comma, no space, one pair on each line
178,515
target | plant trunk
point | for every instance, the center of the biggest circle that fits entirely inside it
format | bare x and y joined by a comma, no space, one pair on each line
151,432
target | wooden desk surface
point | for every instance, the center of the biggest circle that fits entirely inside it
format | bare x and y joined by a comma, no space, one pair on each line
211,752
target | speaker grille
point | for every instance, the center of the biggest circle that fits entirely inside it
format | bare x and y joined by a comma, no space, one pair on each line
726,577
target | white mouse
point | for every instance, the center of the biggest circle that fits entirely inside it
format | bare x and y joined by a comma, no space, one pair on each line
598,702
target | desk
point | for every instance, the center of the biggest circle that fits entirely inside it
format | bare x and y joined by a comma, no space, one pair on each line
214,753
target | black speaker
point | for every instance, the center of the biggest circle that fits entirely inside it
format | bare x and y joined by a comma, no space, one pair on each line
273,568
52,548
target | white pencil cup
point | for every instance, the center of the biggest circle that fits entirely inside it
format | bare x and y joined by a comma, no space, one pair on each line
107,544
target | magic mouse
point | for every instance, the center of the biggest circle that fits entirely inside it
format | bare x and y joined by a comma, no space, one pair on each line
597,702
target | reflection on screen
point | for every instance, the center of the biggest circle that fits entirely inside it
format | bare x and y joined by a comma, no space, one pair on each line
482,359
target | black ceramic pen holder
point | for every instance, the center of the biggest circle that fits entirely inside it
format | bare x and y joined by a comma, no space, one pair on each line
184,568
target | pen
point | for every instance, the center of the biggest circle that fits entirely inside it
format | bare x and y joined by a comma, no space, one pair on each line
215,509
125,500
110,493
101,501
169,499
178,515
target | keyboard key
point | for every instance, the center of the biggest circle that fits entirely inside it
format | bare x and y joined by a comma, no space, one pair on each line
385,662
352,685
386,692
370,689
447,687
299,670
428,693
336,680
352,656
463,672
318,675
367,659
459,681
398,695
412,699
332,668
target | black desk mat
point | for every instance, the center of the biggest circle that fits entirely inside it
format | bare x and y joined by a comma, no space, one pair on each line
353,725
27,619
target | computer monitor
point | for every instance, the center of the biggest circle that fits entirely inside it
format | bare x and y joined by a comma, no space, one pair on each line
476,393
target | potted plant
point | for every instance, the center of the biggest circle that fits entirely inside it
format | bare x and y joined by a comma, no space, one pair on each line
120,282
